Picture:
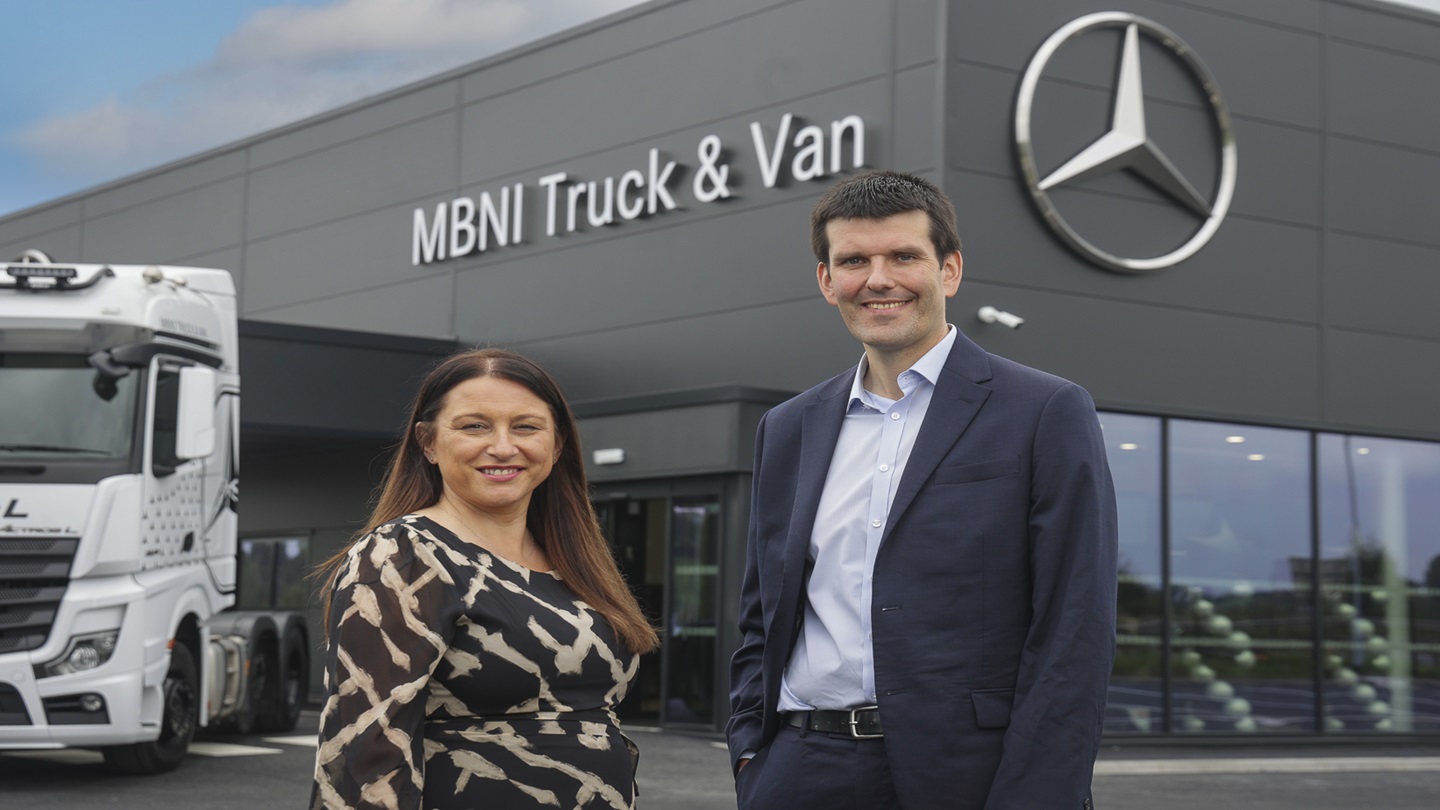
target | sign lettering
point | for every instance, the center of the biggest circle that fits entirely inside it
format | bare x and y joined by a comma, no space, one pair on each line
466,226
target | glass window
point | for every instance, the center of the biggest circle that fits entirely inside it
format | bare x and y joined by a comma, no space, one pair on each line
1379,576
692,618
1135,702
167,411
53,409
636,531
1240,550
272,573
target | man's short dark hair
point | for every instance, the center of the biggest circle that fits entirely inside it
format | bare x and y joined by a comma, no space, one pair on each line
882,194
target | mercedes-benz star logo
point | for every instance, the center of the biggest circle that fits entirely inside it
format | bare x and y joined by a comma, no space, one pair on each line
1127,145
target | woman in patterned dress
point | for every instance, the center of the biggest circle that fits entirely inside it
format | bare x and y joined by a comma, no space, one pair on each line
479,632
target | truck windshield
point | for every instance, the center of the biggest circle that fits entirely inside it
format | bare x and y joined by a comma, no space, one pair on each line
49,409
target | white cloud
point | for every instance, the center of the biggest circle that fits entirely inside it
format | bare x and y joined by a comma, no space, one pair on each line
286,63
364,28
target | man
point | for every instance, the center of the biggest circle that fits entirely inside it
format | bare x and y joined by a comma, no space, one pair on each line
928,608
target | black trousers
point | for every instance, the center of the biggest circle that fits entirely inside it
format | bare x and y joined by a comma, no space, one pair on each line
811,769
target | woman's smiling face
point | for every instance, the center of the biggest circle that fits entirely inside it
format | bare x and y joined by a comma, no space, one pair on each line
494,442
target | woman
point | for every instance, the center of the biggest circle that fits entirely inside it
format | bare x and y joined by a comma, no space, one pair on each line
479,632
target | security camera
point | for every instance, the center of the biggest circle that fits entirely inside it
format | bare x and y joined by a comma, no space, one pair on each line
992,315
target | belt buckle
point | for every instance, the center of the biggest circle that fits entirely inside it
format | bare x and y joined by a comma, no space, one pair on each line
853,722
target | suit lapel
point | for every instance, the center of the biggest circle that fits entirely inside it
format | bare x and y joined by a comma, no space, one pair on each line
957,400
819,430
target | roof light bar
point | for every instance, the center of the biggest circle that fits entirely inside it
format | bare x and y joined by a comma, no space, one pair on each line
60,277
41,271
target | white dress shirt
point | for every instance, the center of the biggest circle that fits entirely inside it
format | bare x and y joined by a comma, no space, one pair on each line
833,663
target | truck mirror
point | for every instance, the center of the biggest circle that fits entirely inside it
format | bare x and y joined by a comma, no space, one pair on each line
195,422
107,373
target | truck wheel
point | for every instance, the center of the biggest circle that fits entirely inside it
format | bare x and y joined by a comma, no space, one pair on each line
283,712
177,724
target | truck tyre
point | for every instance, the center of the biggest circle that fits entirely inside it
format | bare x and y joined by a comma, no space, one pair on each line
177,724
282,711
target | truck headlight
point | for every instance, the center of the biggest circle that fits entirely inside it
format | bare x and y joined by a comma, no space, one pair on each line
82,653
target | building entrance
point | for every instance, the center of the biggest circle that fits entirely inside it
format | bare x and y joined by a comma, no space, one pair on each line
668,548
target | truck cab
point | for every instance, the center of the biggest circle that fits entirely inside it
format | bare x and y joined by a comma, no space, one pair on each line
119,483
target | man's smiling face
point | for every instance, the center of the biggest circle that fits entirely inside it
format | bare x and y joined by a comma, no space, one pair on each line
888,283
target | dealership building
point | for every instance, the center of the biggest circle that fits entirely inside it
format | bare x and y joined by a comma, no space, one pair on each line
1219,217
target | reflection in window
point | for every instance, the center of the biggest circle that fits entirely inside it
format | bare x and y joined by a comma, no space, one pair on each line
692,618
1135,700
53,410
1379,576
167,411
1240,544
272,573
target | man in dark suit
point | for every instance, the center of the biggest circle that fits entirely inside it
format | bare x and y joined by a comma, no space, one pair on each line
928,608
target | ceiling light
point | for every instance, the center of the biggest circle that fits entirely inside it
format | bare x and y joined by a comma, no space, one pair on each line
1235,439
1129,446
1256,457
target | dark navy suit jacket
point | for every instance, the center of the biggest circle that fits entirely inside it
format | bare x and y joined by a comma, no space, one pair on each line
994,589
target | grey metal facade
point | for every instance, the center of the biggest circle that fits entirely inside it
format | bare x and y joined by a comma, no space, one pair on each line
1312,307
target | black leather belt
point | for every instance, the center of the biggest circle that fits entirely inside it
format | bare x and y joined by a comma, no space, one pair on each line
862,723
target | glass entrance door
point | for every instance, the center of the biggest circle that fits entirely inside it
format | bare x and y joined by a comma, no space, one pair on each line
668,548
690,635
636,531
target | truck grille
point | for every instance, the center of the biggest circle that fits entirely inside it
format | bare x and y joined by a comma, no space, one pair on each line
33,573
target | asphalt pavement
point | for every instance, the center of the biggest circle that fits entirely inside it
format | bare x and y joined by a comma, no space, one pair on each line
691,772
680,771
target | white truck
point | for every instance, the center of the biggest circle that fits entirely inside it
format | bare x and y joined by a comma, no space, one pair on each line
119,417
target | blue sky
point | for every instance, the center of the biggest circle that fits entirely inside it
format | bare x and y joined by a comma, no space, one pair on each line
94,90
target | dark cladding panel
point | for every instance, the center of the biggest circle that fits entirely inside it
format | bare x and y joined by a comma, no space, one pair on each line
781,56
788,347
321,382
915,127
365,119
621,33
198,221
167,182
62,244
1168,360
1265,71
1301,14
359,253
1251,267
416,308
1377,95
917,31
292,481
1384,25
1382,383
39,221
409,162
1382,191
223,259
665,443
736,259
1382,286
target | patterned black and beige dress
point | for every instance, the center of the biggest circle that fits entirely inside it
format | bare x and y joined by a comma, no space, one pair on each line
459,679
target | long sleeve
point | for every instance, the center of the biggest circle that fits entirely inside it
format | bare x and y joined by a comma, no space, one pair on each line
1060,692
747,693
392,617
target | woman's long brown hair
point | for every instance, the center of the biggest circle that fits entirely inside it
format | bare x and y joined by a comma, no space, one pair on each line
560,516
